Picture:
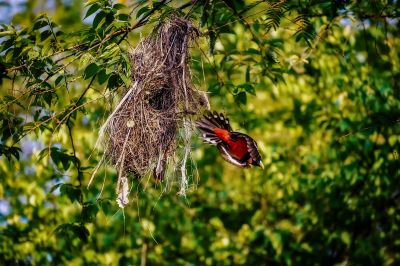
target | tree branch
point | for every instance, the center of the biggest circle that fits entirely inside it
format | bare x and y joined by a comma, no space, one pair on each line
77,161
85,46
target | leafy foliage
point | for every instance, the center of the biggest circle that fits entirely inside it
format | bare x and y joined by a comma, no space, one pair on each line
314,82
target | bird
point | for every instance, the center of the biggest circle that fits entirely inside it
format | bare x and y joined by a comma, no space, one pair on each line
237,148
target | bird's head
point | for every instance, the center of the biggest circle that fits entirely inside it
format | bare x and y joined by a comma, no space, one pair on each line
259,163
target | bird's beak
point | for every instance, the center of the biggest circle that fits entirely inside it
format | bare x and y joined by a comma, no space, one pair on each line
261,165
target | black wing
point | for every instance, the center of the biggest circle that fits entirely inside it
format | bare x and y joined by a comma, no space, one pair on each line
252,147
224,150
207,124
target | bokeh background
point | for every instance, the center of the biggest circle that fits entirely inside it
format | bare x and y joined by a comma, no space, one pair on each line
316,83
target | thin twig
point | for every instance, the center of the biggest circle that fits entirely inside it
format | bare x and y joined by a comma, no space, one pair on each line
143,254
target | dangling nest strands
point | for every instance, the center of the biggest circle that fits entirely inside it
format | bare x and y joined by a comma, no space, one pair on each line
140,135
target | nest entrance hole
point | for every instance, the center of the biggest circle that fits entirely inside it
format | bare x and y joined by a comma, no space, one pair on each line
161,100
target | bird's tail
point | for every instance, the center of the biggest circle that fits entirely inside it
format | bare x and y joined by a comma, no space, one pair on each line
208,123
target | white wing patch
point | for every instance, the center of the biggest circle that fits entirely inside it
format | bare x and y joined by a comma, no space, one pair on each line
210,139
225,154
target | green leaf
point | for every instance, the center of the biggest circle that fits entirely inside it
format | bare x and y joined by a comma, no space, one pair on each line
142,11
118,6
98,19
59,33
45,35
105,205
248,88
102,76
89,212
124,17
213,39
125,79
110,53
58,80
8,99
345,236
204,13
241,98
40,23
43,153
53,188
114,81
248,74
15,151
90,2
48,97
6,33
72,192
70,230
81,232
9,151
58,156
92,9
252,51
214,88
62,229
90,71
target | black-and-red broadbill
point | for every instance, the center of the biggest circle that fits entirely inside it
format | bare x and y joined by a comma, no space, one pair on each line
235,147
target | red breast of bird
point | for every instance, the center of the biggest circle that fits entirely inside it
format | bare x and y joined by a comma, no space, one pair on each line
238,148
235,147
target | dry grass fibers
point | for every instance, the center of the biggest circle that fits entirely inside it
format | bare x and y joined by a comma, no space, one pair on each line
140,136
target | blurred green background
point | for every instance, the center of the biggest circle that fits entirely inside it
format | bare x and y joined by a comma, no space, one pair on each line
314,82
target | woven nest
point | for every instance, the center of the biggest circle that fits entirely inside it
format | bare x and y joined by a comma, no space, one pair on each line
141,134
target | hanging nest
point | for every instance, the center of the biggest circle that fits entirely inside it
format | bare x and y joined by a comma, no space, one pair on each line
141,134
